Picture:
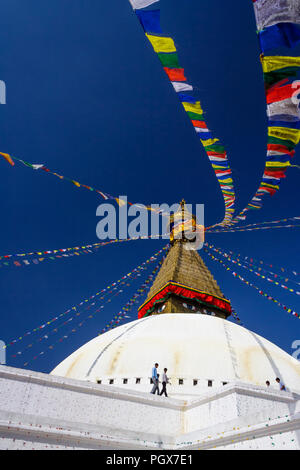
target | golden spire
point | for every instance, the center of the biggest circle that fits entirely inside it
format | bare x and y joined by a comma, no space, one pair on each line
184,284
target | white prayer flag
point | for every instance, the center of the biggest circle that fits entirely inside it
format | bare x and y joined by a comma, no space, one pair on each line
136,4
200,130
37,167
270,12
286,107
181,86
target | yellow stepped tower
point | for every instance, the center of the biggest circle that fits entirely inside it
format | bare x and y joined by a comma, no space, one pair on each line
184,284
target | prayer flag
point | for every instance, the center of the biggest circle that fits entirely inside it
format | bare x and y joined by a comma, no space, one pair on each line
194,108
175,74
285,133
272,63
270,12
150,20
7,158
279,35
161,44
169,59
178,86
141,3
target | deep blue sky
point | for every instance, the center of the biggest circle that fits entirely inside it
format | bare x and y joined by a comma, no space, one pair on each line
86,95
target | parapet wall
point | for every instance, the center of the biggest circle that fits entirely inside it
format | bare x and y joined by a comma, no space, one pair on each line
40,411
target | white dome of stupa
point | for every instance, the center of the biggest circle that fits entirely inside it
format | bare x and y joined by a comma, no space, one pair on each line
200,351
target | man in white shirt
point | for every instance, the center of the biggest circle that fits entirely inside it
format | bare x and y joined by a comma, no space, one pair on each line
165,381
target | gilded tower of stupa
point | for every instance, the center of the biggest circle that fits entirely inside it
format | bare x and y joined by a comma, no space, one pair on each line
184,284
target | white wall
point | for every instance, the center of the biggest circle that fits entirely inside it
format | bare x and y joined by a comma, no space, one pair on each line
43,411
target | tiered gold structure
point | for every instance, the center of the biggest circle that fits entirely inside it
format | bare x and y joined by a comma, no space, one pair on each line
184,284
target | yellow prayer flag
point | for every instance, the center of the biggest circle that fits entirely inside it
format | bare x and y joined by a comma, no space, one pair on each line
120,202
272,63
161,44
277,164
76,183
8,158
193,108
228,180
208,142
285,133
218,167
274,186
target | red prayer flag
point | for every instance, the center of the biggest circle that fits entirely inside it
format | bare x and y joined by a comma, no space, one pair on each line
197,123
280,93
275,174
202,124
175,75
281,148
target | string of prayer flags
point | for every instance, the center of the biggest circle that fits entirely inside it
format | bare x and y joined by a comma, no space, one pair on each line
238,229
135,271
238,262
36,167
260,291
10,159
283,126
62,252
258,224
104,299
263,263
165,48
9,261
255,264
141,291
121,316
278,25
236,317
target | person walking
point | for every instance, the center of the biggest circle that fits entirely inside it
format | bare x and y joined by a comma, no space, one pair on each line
165,381
281,384
154,376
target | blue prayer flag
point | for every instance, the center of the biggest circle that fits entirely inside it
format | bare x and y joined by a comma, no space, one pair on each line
150,20
204,135
279,158
278,35
186,98
289,125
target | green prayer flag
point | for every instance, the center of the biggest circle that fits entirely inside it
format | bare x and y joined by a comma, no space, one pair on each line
169,60
287,143
271,78
215,148
195,116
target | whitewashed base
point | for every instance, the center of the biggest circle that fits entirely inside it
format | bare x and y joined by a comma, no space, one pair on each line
40,411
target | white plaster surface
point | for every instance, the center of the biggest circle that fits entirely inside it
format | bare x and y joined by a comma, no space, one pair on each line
40,411
193,348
